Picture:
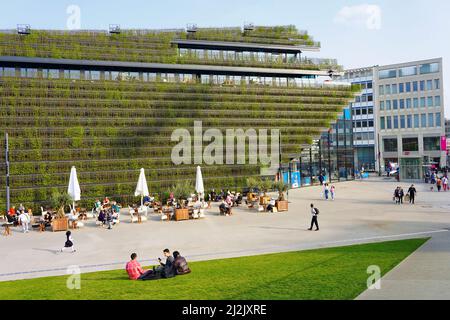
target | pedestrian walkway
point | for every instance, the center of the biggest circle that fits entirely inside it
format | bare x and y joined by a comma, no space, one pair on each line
424,275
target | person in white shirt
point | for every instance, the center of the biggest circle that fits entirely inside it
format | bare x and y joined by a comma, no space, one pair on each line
314,213
271,205
25,219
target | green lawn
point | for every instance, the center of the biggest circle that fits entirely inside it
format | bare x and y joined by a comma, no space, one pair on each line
332,273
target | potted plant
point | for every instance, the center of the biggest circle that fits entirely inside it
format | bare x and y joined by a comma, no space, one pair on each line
181,192
281,203
60,201
264,186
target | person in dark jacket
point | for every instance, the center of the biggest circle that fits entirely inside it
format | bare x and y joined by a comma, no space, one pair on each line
180,264
412,194
167,269
401,194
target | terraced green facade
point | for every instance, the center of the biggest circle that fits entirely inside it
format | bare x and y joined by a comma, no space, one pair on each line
109,129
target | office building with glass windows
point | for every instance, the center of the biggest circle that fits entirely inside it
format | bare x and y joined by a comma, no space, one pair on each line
363,117
410,116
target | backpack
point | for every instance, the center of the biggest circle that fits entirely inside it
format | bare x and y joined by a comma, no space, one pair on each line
316,210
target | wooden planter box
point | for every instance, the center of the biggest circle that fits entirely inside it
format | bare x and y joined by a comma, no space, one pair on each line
282,205
181,214
61,224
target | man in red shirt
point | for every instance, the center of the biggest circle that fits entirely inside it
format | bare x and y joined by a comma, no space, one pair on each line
133,268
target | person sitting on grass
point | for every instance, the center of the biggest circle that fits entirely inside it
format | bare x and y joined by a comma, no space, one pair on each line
164,270
180,264
134,269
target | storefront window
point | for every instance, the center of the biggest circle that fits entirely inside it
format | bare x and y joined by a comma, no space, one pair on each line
410,144
431,143
390,145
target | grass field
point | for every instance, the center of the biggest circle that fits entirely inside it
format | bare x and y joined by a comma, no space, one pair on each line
331,273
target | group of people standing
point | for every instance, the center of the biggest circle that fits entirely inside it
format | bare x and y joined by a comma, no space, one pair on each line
399,195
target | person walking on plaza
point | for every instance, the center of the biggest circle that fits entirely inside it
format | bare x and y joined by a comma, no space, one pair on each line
25,219
326,191
439,184
412,194
314,213
333,192
445,183
397,195
401,194
69,243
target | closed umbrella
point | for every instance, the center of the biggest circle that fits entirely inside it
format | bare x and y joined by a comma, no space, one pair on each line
73,190
199,188
141,188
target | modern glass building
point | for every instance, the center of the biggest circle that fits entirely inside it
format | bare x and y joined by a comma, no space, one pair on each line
108,103
363,117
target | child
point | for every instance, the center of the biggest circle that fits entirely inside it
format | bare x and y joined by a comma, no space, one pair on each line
69,242
332,192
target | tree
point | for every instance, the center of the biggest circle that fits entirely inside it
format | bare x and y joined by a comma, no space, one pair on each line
60,200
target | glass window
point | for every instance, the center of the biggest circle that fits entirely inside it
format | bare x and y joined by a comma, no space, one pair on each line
358,112
390,145
395,122
395,104
53,73
370,110
394,89
388,105
381,105
416,121
438,120
422,102
408,103
415,86
429,68
370,124
431,120
410,144
389,122
423,120
382,123
430,101
437,101
431,144
422,85
416,103
402,104
437,84
401,87
363,111
381,89
409,121
387,74
407,71
402,122
408,86
429,85
388,89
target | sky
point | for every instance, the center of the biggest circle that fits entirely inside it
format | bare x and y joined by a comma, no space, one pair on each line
357,33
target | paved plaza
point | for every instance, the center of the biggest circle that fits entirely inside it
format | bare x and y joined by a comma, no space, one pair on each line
363,212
